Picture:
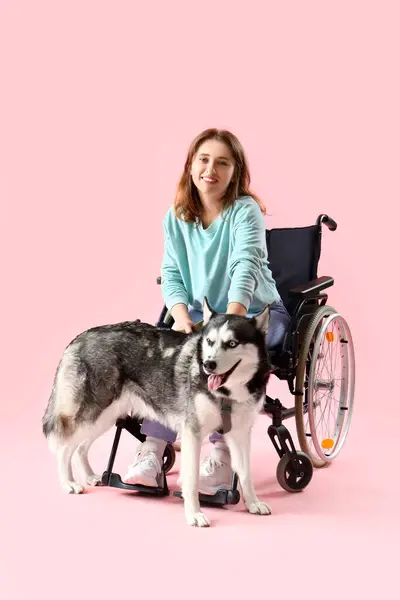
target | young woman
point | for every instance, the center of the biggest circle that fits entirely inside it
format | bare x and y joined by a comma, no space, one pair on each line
215,246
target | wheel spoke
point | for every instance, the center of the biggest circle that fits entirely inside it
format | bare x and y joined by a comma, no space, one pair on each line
328,357
326,368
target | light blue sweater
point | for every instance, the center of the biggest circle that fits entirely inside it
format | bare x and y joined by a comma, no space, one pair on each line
227,262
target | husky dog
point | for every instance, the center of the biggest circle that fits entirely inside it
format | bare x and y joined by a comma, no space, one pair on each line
180,380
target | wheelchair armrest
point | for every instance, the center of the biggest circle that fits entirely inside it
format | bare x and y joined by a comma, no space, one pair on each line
312,288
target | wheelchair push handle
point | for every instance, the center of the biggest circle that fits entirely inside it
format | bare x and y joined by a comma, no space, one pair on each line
328,221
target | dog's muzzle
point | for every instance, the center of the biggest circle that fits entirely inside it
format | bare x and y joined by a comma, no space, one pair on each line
216,380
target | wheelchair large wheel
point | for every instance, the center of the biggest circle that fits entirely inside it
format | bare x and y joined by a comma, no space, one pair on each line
325,381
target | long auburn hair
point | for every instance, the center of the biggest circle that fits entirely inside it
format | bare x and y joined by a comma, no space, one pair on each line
187,204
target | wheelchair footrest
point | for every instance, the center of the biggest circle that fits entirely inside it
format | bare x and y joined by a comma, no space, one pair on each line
114,480
221,498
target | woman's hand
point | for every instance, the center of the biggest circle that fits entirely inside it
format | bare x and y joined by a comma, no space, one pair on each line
182,319
187,326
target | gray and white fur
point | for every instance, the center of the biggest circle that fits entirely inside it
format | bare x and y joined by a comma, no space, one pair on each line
136,369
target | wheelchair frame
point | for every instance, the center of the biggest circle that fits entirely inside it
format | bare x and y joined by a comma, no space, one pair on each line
295,468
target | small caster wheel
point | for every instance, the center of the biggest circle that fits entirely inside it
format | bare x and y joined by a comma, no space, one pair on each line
168,458
291,479
233,497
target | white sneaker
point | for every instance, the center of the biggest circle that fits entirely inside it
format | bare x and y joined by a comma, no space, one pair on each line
214,475
146,469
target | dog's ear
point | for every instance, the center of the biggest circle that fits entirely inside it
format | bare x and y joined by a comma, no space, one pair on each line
261,321
208,312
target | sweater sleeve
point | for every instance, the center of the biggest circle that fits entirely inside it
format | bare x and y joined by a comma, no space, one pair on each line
172,286
249,253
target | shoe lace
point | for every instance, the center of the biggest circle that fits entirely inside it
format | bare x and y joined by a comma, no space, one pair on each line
211,464
147,457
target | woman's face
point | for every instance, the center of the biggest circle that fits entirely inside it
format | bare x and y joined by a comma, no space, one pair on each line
212,169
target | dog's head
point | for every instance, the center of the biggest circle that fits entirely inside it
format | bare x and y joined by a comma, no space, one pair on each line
233,348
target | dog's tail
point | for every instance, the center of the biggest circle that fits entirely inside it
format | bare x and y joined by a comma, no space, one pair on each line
58,422
57,428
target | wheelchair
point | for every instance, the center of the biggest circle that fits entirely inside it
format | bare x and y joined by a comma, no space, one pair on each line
316,359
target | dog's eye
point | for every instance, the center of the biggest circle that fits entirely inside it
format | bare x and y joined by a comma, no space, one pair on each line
232,344
209,342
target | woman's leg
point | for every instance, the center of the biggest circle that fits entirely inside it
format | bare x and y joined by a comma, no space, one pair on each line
153,429
215,470
147,465
279,321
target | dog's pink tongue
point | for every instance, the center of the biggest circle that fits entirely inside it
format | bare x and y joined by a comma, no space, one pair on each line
214,382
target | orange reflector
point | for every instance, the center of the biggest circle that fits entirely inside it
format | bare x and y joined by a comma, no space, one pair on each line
328,443
329,336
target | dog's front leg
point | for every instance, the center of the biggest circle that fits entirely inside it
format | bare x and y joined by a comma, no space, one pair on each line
238,442
190,458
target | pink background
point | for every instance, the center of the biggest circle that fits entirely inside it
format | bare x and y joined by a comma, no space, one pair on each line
98,104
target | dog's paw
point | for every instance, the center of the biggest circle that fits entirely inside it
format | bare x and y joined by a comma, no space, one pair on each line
71,487
198,520
93,480
259,508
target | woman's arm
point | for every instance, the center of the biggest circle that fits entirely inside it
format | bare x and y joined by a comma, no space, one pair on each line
172,286
235,308
249,252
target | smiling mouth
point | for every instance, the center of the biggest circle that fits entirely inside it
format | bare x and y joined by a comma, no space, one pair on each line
209,180
215,381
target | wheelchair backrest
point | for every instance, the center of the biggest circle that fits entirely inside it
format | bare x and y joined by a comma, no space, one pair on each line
293,254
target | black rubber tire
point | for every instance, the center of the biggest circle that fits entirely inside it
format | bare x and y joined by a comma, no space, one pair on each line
233,497
168,458
284,470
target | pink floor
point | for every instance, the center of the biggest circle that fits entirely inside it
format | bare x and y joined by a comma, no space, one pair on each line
98,103
337,537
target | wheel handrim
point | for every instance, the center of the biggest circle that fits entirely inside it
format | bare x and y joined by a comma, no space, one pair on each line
331,387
